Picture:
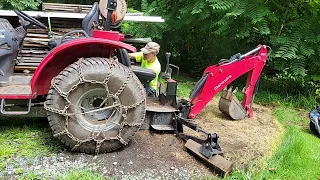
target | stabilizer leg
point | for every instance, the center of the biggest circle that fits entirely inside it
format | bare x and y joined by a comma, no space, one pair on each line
220,165
208,150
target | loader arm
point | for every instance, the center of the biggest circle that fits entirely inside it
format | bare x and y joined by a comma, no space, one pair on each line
217,77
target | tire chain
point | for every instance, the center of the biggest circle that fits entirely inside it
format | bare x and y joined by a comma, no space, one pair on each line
64,113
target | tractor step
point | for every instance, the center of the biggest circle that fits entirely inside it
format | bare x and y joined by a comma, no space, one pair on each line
17,80
16,92
13,112
20,80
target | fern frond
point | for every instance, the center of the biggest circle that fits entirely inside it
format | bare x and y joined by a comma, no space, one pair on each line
198,7
306,50
223,5
235,13
205,14
258,14
286,52
263,27
298,67
221,30
243,34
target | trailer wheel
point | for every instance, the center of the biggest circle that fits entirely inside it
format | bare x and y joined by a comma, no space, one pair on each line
95,105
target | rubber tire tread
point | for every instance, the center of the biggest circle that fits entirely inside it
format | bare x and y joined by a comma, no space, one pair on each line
96,69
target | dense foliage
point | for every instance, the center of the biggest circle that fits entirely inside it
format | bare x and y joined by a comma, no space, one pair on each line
19,4
202,32
35,4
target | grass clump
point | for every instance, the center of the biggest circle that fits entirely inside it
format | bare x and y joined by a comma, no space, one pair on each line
297,156
76,174
82,175
26,141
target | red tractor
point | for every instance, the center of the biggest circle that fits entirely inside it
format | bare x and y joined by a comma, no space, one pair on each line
95,100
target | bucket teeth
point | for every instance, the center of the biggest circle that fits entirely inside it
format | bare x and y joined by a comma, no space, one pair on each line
229,93
230,105
235,90
224,92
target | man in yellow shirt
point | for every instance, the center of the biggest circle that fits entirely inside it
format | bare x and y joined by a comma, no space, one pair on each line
148,59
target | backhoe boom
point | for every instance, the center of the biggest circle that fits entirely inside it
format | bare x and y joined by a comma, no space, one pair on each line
217,77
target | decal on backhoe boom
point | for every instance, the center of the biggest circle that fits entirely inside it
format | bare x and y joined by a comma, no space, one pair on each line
224,81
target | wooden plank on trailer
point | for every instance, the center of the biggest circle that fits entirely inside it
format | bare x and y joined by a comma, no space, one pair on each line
31,51
37,40
79,8
28,64
32,45
31,61
31,58
30,68
37,31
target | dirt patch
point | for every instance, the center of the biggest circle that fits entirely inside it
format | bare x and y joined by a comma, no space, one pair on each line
244,140
152,155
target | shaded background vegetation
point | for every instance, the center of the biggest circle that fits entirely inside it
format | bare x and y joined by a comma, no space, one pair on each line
200,33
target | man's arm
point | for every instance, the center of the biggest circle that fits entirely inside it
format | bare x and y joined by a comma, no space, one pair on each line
133,55
137,56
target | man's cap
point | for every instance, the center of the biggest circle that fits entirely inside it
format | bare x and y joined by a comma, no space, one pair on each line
151,47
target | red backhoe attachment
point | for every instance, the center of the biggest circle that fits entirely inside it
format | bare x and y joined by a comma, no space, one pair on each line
216,78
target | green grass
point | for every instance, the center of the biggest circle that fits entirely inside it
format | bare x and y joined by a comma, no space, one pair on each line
82,175
75,174
297,155
26,141
32,176
184,89
289,116
185,84
299,101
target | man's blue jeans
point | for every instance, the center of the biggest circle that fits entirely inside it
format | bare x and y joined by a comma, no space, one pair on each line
151,92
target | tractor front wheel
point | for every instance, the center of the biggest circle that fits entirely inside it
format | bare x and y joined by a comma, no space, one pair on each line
95,105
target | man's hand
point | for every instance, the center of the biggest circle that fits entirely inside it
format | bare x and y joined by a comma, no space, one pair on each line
133,55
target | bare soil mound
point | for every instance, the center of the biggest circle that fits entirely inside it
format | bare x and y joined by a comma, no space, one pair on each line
244,140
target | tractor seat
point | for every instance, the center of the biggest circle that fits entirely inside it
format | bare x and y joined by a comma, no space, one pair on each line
87,27
144,75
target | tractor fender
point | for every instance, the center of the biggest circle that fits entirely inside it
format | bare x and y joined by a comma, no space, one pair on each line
67,53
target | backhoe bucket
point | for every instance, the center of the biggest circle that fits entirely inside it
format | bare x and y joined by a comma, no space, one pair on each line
230,105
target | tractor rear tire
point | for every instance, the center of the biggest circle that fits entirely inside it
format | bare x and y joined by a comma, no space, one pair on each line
78,90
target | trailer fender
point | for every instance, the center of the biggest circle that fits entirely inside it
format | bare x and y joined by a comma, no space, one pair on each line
66,54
